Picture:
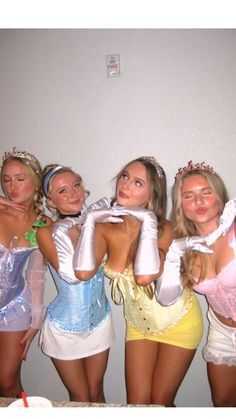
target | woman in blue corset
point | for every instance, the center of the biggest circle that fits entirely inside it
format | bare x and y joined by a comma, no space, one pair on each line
22,266
77,331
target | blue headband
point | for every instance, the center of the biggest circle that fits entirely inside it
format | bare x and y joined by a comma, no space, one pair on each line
48,176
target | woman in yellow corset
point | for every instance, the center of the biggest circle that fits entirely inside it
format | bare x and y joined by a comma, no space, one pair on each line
135,236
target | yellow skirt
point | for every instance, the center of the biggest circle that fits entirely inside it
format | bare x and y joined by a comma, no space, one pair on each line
187,333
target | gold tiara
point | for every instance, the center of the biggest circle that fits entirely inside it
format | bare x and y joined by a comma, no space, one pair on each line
17,154
155,163
194,166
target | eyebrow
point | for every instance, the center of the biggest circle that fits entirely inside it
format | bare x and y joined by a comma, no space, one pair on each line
202,189
135,177
16,174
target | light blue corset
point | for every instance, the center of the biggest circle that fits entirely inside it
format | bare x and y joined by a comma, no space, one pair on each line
79,307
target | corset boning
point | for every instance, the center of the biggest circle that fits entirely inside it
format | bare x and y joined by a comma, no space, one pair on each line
12,281
80,307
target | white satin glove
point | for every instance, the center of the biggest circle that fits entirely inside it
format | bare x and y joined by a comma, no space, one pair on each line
147,260
226,219
169,287
84,255
101,203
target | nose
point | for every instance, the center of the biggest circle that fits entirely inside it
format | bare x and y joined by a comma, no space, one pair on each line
198,199
126,184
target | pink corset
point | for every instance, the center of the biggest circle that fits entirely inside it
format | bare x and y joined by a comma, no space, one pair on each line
220,291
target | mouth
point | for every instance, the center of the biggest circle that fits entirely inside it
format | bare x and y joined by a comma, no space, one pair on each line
201,211
122,195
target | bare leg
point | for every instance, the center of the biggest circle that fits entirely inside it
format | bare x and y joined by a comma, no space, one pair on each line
172,363
95,367
10,363
222,380
140,357
74,378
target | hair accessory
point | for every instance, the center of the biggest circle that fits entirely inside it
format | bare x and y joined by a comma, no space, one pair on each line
193,166
17,154
48,176
155,163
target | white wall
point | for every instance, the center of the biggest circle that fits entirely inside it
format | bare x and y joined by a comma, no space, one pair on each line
175,99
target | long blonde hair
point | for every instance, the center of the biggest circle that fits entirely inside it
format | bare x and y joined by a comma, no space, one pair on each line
184,227
32,164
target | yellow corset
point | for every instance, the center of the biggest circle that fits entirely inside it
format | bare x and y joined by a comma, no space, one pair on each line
143,313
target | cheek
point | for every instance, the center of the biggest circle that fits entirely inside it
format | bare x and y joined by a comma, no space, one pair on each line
187,206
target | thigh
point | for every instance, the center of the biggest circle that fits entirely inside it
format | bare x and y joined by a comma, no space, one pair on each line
74,378
10,353
172,363
222,380
95,367
140,357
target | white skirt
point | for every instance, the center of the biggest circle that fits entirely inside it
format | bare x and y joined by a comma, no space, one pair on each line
220,348
59,344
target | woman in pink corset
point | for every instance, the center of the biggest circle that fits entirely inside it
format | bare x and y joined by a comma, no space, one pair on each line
200,208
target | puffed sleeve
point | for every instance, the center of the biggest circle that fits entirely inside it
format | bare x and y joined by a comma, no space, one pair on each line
35,277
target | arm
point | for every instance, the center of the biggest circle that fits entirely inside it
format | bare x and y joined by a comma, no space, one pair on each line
58,250
91,248
147,259
35,277
169,287
226,219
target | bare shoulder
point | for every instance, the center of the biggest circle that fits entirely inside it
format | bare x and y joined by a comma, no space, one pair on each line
168,229
45,231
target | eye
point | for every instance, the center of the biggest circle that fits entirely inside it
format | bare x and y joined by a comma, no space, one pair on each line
124,176
62,191
77,184
187,196
138,183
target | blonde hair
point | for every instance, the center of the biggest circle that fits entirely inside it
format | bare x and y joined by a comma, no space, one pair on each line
56,169
184,227
34,168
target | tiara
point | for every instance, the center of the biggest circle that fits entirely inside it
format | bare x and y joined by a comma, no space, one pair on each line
17,154
194,166
155,163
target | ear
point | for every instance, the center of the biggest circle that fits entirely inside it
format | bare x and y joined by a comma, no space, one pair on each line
50,203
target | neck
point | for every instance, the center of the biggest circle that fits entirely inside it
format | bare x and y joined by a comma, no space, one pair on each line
62,216
205,229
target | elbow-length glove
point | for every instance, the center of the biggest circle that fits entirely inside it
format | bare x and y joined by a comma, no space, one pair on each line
168,286
64,246
226,219
147,260
84,255
101,203
35,277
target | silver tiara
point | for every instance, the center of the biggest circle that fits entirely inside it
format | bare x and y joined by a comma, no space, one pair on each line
155,163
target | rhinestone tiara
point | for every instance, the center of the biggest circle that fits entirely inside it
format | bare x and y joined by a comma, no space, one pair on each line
155,163
193,166
17,154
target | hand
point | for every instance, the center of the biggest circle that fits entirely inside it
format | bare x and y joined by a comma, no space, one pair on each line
84,254
180,246
226,219
169,287
26,341
141,214
106,215
7,203
101,203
